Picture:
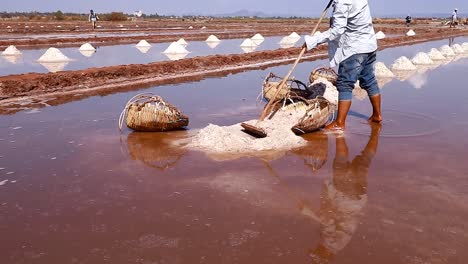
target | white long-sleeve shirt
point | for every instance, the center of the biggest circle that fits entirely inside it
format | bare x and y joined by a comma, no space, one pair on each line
351,31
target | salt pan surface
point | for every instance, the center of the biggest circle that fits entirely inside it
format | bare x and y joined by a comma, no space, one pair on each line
87,47
422,59
53,55
176,48
248,43
11,51
458,49
143,43
411,33
212,38
403,64
382,71
258,36
380,35
435,54
447,51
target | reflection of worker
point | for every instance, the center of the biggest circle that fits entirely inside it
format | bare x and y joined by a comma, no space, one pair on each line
93,18
352,45
344,198
408,20
454,21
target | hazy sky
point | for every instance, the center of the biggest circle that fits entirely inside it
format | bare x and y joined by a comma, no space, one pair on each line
297,7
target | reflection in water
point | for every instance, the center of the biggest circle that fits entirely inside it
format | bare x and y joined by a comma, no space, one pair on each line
249,49
343,198
54,66
315,154
144,49
12,59
212,45
87,53
156,150
175,56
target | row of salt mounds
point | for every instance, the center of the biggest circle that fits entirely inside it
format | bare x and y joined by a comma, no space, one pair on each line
143,43
248,43
53,55
465,46
380,35
403,64
182,42
447,51
411,33
422,59
175,48
87,47
435,54
11,51
458,49
381,71
212,38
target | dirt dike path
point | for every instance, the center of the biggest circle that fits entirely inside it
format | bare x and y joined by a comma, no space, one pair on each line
89,82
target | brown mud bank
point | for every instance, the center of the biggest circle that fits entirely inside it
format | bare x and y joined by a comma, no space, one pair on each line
130,77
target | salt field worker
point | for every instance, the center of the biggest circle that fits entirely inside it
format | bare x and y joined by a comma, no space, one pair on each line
352,47
93,18
408,20
454,21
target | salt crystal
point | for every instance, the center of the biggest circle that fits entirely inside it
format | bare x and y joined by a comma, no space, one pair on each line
295,36
411,33
87,47
403,64
175,48
53,55
422,59
182,42
3,182
380,35
10,173
435,54
447,51
457,48
248,43
382,71
143,43
212,38
11,51
258,36
16,128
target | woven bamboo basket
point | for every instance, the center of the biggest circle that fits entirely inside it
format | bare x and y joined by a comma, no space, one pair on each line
292,88
150,113
319,112
323,72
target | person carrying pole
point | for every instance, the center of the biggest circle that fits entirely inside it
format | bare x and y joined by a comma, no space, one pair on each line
93,18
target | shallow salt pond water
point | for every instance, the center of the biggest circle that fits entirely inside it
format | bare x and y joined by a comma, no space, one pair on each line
75,190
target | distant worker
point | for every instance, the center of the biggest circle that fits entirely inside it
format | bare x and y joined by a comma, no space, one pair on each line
408,20
353,48
454,21
93,18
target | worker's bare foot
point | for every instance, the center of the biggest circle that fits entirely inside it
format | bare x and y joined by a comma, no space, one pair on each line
375,119
334,126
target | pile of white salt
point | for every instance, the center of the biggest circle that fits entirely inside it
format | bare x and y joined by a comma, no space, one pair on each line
411,33
53,55
182,42
447,51
258,36
380,35
294,36
422,59
458,49
381,71
435,54
11,51
212,38
143,43
176,48
403,64
247,43
87,47
288,41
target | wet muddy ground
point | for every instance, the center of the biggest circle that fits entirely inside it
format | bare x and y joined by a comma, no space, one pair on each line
75,190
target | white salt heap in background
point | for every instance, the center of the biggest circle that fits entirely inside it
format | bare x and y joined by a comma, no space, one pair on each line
203,27
176,48
248,43
458,49
294,36
422,59
53,55
403,64
11,51
190,27
212,38
381,71
182,42
447,51
87,47
435,54
411,33
258,36
380,35
287,40
465,46
143,43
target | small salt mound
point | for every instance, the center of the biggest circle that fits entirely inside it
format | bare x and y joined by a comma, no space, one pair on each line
422,59
287,40
143,43
447,51
59,26
317,32
380,35
176,48
87,47
381,71
294,35
258,36
190,27
11,51
8,27
248,43
435,54
411,33
403,64
212,38
458,49
203,27
465,46
53,55
182,42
